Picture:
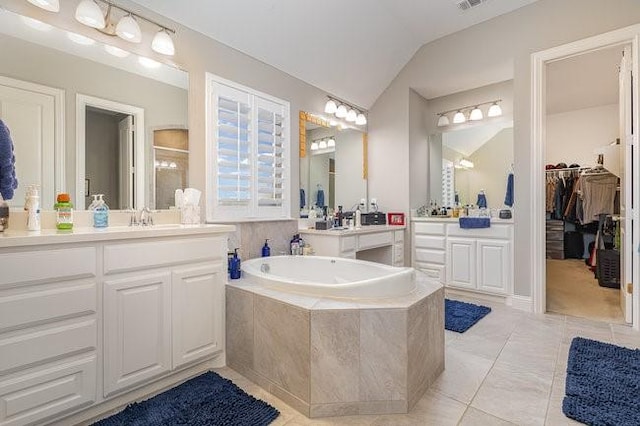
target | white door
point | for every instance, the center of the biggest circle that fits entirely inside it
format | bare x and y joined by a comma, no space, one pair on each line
493,265
137,333
626,186
461,262
30,117
127,163
197,297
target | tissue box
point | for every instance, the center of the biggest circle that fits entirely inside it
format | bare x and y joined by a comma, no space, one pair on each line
323,225
190,215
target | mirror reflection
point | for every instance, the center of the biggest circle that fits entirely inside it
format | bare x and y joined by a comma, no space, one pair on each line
474,159
85,118
332,169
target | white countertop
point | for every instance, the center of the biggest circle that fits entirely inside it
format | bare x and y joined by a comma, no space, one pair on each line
454,219
368,229
16,238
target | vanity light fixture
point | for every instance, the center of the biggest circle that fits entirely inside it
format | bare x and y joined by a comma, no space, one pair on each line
443,120
322,144
467,164
345,111
89,13
331,142
116,51
341,112
494,110
48,5
352,115
330,107
314,146
459,117
476,114
361,119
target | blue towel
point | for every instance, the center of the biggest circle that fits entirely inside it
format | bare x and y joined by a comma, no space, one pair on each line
320,198
474,222
303,198
508,198
8,180
482,200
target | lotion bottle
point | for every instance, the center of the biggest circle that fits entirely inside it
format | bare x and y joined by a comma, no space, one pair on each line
234,266
266,250
358,218
33,208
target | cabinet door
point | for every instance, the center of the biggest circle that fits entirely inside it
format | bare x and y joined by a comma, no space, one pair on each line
494,266
461,262
136,330
198,315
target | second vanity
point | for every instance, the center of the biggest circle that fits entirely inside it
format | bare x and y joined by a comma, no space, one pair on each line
376,243
92,320
478,260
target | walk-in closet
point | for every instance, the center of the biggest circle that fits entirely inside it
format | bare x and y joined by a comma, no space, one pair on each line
586,121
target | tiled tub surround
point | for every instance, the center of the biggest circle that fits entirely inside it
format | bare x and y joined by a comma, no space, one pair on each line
330,357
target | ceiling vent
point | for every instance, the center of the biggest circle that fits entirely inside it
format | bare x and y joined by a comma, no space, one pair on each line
468,4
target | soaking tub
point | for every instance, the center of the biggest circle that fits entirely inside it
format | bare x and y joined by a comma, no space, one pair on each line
330,276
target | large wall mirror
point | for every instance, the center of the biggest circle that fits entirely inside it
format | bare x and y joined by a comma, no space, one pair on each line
89,118
333,165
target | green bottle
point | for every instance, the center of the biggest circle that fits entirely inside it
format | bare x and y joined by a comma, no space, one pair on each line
64,212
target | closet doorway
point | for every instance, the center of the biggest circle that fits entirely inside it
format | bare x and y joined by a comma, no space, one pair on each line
582,130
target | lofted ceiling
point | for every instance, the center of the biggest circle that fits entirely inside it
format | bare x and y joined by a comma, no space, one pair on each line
350,49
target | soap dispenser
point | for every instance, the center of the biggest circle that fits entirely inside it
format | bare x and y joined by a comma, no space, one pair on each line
266,250
234,266
100,213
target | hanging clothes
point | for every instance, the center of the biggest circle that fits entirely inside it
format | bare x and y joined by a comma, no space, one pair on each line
598,195
558,199
550,193
8,180
508,197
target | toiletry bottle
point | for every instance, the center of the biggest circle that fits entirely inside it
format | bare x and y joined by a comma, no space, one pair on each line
32,206
294,244
100,213
266,250
234,266
64,212
4,214
358,218
339,217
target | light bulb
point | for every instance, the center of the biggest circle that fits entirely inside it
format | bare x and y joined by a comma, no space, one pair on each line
459,118
314,146
443,120
476,114
116,51
330,107
89,13
80,39
162,43
323,144
48,5
331,142
128,29
494,110
35,24
173,165
149,63
361,119
341,112
352,115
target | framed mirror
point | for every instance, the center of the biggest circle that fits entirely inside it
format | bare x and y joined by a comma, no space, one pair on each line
333,165
84,117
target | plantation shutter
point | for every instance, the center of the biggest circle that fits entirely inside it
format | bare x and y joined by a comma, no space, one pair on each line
270,157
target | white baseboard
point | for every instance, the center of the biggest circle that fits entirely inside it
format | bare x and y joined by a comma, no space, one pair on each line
523,303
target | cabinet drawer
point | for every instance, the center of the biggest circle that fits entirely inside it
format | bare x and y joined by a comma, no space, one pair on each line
429,228
430,242
147,255
40,345
348,243
33,397
435,272
47,265
366,241
430,256
47,305
494,231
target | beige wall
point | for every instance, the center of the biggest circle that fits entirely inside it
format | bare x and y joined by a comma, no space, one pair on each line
493,51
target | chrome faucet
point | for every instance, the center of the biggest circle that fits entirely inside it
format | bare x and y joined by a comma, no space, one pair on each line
145,217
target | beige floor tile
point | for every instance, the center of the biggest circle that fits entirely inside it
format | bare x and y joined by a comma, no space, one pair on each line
517,396
486,347
433,409
475,417
330,421
555,416
529,356
462,376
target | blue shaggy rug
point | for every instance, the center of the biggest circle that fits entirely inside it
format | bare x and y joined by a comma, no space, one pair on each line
603,384
204,400
460,316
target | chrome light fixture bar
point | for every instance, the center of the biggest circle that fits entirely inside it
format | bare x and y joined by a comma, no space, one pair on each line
345,111
474,113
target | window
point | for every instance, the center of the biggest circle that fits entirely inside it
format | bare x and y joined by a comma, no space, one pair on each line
248,153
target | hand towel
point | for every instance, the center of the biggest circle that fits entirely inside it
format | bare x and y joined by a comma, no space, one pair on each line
320,198
8,180
482,200
474,222
508,197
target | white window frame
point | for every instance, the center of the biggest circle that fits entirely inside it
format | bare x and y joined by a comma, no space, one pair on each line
216,212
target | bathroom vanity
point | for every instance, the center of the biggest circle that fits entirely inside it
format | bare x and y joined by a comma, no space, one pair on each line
92,320
376,243
478,260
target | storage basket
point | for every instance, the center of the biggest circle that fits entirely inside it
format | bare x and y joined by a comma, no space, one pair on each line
608,268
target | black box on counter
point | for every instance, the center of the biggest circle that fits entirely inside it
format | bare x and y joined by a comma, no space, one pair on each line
323,225
374,218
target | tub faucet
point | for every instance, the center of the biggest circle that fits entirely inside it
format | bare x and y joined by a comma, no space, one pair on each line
145,217
265,268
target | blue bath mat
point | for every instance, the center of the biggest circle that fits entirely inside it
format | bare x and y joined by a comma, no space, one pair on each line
460,316
204,400
603,384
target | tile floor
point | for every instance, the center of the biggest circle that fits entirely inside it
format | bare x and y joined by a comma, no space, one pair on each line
507,369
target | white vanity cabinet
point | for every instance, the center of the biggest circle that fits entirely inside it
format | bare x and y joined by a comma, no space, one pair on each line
471,259
375,243
83,323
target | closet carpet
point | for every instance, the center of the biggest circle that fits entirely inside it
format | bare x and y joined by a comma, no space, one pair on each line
572,290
